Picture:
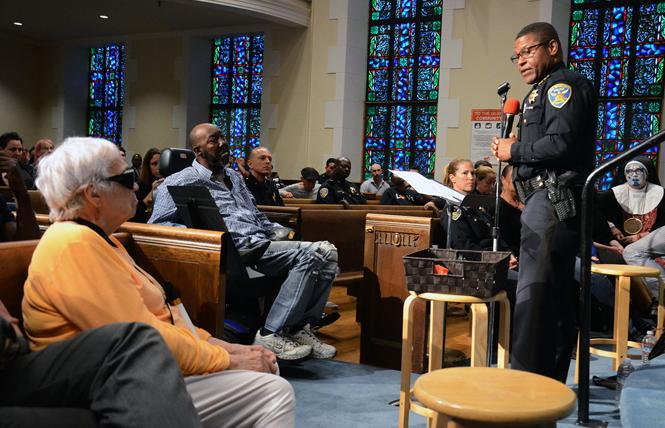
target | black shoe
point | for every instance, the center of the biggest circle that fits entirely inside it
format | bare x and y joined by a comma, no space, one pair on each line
326,319
606,382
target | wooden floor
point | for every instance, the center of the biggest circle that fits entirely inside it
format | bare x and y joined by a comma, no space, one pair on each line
345,332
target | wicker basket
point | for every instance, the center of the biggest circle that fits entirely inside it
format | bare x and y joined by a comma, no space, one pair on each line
470,273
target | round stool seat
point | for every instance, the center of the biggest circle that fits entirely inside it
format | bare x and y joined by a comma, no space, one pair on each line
491,395
624,270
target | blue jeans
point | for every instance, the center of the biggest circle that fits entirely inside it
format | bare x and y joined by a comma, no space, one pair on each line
311,269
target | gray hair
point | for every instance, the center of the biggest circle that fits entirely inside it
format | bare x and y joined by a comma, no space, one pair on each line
77,163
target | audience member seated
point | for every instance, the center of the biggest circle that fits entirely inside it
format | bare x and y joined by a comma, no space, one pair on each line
259,181
123,154
648,251
510,212
307,188
636,207
400,193
111,370
137,161
485,180
81,277
337,190
471,228
327,172
311,266
149,179
24,226
376,185
12,145
43,146
482,162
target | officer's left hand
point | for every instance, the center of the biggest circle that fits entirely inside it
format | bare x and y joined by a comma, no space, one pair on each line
500,147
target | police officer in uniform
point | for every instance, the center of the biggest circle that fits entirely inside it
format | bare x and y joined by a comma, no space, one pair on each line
336,190
400,193
552,157
259,180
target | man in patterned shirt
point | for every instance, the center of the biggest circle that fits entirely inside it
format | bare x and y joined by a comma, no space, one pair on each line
310,266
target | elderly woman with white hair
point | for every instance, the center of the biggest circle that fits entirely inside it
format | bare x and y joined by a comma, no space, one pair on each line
81,277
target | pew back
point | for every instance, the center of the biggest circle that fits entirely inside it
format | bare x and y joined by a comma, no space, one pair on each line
387,239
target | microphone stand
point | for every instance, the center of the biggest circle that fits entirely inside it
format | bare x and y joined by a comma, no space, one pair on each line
503,94
585,292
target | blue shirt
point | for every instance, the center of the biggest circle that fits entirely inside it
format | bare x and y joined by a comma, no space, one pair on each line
247,225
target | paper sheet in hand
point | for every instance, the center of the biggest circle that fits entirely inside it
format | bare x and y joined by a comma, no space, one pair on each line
426,186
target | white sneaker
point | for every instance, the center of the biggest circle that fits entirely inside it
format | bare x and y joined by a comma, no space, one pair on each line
319,349
283,347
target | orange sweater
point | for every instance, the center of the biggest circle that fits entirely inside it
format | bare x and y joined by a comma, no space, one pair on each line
77,281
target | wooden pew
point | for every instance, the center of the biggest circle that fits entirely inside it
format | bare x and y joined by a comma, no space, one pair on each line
286,216
387,239
190,259
36,199
345,229
298,201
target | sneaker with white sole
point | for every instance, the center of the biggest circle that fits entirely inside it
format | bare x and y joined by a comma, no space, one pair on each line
307,337
283,347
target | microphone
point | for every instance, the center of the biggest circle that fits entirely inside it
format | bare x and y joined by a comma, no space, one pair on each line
510,110
503,89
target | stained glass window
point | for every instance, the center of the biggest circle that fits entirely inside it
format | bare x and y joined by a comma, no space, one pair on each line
620,46
106,75
237,85
403,61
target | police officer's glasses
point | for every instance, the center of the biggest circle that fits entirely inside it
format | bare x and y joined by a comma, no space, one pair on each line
526,52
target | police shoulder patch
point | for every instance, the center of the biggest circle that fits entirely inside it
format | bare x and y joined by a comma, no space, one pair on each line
457,213
323,192
559,94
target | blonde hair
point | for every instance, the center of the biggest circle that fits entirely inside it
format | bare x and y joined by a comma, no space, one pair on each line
483,172
77,163
451,168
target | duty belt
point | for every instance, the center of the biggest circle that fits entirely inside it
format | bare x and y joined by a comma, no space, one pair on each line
527,187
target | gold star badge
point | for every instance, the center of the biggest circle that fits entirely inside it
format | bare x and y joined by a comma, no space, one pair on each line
533,95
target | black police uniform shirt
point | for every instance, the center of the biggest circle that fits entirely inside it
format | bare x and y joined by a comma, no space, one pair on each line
335,191
471,229
265,193
392,196
557,126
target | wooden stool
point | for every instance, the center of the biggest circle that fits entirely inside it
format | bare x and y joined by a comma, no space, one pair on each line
435,339
619,337
490,397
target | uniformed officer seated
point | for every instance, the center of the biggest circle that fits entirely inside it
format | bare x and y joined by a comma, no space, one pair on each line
258,181
336,190
401,193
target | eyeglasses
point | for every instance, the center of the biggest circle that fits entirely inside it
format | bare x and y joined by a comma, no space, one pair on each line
635,171
526,52
126,179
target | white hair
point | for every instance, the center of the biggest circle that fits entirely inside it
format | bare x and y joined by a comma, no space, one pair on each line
75,164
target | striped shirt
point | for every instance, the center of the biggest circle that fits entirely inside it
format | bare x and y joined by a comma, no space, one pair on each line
246,224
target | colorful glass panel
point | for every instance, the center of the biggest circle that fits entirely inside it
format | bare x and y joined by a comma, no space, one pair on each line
404,49
237,87
620,46
106,74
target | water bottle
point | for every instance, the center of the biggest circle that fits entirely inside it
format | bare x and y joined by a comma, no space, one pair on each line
647,345
624,370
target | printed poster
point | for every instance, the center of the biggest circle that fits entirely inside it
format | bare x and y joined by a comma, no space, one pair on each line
485,124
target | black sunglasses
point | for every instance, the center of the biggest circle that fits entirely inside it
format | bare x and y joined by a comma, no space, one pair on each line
127,178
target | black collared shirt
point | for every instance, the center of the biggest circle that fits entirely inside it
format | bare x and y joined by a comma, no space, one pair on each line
265,193
557,126
335,191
